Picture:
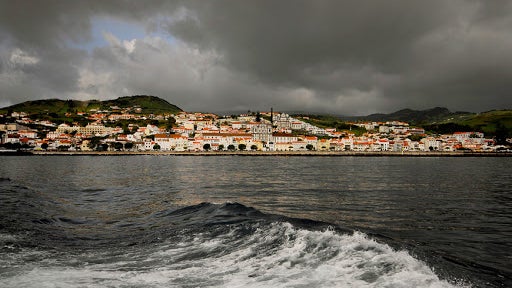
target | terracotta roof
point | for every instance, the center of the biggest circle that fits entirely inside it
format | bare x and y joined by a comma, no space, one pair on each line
280,134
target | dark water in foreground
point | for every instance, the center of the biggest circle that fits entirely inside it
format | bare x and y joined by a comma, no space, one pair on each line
162,221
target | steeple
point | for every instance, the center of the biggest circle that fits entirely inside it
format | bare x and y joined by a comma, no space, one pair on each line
272,117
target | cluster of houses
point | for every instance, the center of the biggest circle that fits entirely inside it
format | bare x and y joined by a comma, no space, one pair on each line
209,132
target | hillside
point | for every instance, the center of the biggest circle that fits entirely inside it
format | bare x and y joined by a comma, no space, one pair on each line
148,105
489,122
415,117
437,120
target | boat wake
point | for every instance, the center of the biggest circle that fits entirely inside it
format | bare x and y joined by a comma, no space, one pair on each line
207,245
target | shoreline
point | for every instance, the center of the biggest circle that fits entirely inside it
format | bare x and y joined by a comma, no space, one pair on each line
266,153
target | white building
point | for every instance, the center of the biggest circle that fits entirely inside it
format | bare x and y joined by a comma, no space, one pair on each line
431,143
262,132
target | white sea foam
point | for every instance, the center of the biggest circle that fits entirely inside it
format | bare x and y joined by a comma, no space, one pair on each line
278,255
8,238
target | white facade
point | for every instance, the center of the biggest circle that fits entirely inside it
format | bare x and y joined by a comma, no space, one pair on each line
262,132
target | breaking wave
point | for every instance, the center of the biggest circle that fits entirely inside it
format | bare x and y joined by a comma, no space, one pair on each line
207,245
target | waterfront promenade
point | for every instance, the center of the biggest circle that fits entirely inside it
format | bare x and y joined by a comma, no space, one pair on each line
278,153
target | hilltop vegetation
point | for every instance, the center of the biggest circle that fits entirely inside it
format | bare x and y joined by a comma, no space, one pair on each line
491,123
147,105
436,120
414,117
329,121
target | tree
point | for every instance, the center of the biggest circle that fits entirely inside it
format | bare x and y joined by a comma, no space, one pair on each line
221,147
254,147
501,134
207,147
63,147
258,117
171,122
415,137
124,126
128,145
309,147
118,146
95,141
156,147
134,128
44,146
242,147
103,147
12,146
231,147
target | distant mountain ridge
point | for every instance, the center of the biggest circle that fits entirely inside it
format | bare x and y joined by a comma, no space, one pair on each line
148,105
409,115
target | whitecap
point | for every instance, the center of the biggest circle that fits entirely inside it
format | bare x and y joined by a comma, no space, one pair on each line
275,255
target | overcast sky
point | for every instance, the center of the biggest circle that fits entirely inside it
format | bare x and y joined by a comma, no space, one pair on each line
341,57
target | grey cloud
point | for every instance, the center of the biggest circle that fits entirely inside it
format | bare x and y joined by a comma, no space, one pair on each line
344,57
336,46
276,40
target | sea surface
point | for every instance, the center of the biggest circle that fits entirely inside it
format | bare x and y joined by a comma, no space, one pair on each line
232,221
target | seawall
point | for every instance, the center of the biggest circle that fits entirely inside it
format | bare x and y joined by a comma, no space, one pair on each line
276,153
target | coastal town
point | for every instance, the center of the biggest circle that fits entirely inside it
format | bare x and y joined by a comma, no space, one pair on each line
116,129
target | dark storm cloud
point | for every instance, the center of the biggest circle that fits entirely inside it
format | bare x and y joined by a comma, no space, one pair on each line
415,53
347,57
278,40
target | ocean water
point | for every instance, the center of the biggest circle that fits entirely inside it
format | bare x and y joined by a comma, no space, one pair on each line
186,221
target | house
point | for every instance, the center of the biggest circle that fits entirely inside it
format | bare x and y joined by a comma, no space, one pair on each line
283,146
226,139
27,134
116,117
383,144
183,131
431,144
348,143
179,142
246,140
173,142
297,125
384,129
148,144
324,145
236,125
337,145
362,145
11,138
283,138
196,144
311,140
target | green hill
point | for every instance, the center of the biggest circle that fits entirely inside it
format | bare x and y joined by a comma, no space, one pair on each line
415,117
148,105
437,120
487,122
